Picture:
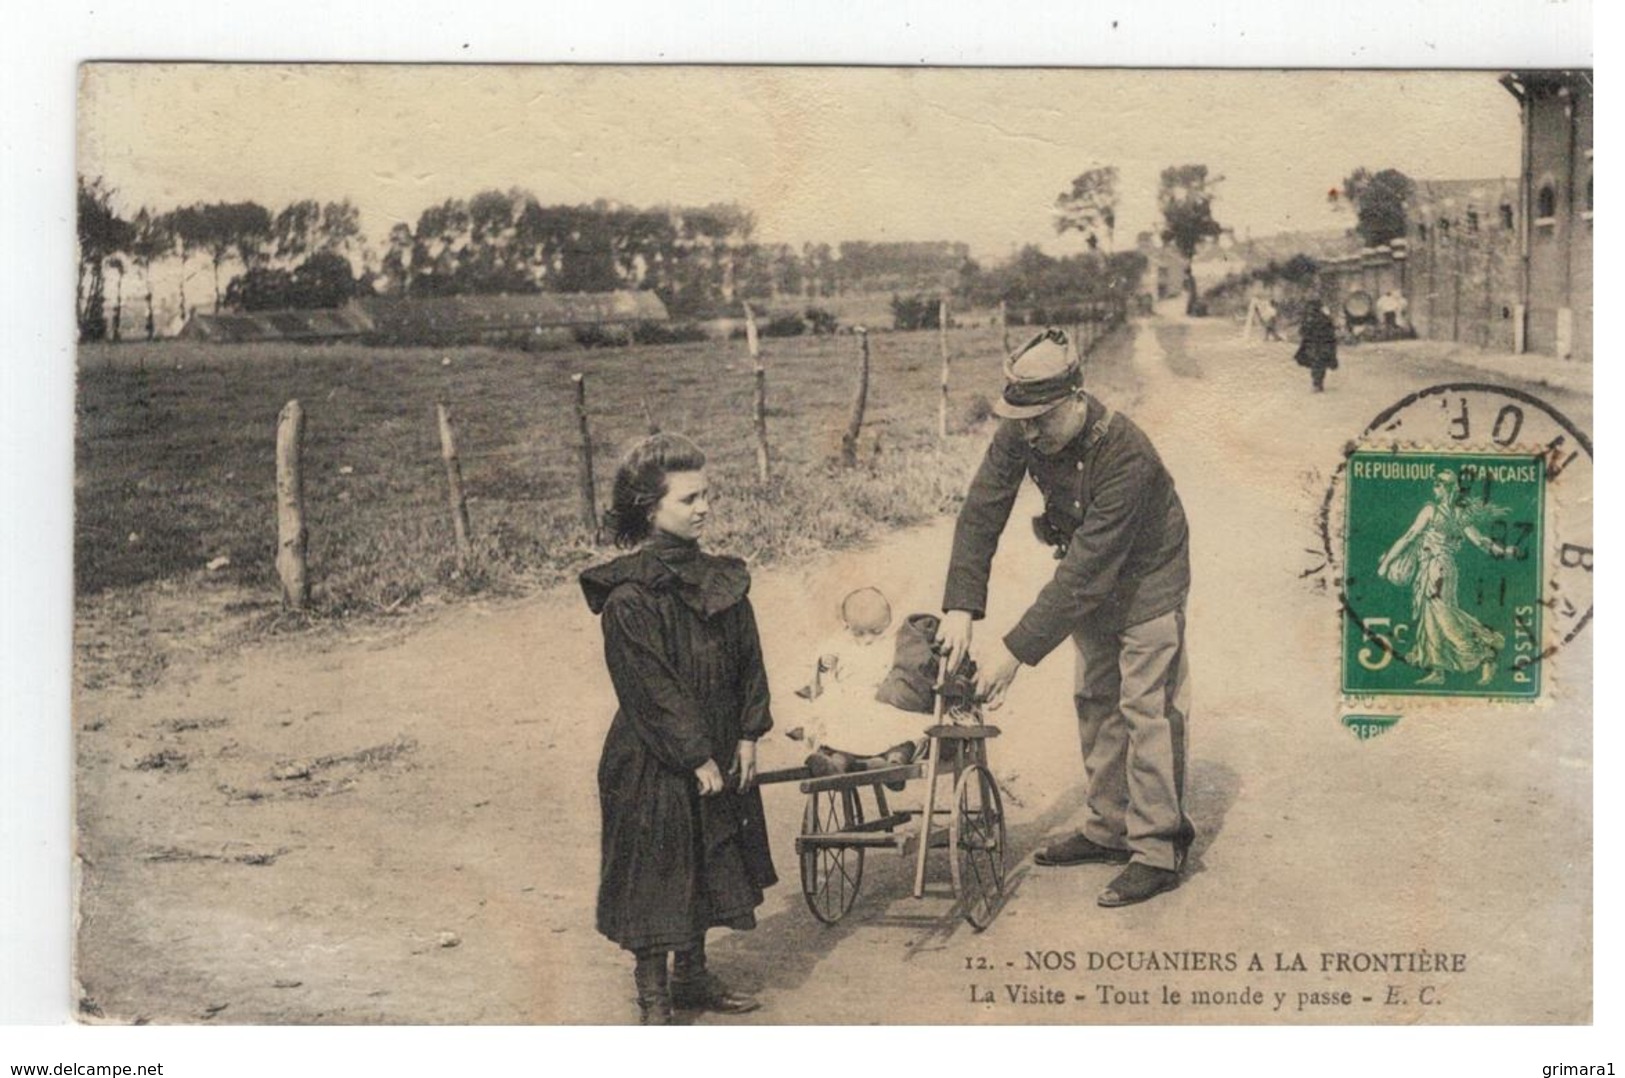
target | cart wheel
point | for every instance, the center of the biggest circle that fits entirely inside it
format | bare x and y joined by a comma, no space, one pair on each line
830,875
977,841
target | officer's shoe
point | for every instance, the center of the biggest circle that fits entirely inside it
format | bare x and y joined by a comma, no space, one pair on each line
1136,883
708,992
1078,850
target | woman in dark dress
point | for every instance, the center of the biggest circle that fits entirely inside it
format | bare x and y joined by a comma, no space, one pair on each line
1317,348
684,845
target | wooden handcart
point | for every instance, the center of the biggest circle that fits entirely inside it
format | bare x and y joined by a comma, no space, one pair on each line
850,814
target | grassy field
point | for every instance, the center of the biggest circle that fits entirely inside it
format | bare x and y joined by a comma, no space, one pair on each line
174,457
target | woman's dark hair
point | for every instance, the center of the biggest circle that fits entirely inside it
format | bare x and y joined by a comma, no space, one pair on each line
640,483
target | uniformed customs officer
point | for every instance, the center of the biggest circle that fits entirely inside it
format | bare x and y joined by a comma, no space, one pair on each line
1119,592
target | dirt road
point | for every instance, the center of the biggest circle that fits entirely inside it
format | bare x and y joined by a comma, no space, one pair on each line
404,830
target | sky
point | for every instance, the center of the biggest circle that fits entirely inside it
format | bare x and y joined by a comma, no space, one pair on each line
819,154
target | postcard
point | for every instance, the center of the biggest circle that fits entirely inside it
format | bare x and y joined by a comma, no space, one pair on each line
606,545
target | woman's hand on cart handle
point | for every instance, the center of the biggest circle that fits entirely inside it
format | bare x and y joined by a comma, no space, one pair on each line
953,637
742,772
994,676
710,777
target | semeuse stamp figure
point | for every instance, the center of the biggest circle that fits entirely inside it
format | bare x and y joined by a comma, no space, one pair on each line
1444,587
1119,592
1425,559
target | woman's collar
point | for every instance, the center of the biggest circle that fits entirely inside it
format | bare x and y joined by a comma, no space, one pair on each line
672,548
705,583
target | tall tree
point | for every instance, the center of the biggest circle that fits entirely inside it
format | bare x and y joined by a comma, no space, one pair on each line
116,264
645,241
341,229
588,250
1089,206
439,241
1379,203
497,259
150,242
397,264
306,227
295,231
240,229
102,234
188,228
716,234
1186,199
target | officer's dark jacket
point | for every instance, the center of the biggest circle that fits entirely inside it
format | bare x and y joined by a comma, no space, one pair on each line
1128,558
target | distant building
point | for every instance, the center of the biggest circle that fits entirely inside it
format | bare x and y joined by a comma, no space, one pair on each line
1462,276
438,320
1556,203
1164,275
506,319
1501,264
900,266
335,324
1457,267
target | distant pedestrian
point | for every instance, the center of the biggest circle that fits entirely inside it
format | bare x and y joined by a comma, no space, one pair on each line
1388,310
1268,316
1317,344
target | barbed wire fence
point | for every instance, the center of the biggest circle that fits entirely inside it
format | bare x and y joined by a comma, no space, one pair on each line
465,478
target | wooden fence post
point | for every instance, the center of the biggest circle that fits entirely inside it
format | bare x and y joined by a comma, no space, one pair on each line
942,341
854,426
753,342
589,499
290,507
454,484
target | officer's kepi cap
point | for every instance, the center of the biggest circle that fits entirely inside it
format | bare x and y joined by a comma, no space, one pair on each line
1039,375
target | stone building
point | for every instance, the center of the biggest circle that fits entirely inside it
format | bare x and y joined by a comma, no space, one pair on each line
1462,270
1501,264
1556,205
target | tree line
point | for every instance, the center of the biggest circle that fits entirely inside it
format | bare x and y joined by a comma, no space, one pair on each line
702,261
301,255
1185,195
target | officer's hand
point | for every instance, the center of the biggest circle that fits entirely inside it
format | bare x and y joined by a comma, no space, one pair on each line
994,675
953,637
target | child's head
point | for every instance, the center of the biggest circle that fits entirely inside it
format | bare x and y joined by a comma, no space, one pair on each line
866,614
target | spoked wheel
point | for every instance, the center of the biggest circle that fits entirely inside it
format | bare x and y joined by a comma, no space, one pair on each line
976,844
830,875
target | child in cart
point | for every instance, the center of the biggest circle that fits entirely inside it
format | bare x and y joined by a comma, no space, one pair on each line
867,705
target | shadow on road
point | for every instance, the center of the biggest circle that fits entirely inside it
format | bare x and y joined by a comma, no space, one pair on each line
1171,338
786,947
1213,787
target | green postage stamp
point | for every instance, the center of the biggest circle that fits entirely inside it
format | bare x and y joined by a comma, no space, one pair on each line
1443,574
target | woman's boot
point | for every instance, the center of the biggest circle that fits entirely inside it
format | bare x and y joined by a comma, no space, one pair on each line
695,988
654,990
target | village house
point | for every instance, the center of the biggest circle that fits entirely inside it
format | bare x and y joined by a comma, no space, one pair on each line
1557,207
1498,263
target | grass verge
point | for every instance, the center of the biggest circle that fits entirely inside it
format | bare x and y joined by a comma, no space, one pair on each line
175,469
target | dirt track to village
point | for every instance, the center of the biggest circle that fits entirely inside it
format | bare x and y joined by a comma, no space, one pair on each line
404,829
